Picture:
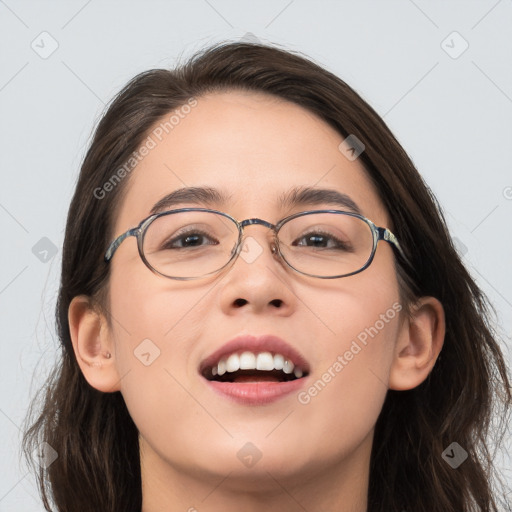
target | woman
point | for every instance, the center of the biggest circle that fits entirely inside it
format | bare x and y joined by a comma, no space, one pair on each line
261,307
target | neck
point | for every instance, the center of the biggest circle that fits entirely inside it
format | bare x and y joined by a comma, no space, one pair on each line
333,485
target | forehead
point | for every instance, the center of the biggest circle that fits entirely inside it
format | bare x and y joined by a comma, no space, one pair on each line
256,149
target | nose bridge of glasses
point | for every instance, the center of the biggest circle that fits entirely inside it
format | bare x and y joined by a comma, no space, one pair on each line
255,221
249,222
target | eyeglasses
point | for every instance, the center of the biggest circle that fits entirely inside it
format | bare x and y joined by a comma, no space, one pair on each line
190,243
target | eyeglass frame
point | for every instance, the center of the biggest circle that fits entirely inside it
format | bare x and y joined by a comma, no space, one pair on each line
378,233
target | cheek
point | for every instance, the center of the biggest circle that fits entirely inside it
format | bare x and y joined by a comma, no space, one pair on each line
155,322
346,395
355,351
147,306
360,315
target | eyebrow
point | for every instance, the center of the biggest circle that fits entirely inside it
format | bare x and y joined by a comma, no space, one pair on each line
297,196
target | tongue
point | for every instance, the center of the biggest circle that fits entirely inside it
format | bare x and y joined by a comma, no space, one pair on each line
256,378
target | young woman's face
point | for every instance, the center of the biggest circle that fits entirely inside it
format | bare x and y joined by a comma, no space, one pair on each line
254,148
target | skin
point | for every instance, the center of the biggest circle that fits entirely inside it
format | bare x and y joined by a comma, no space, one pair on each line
314,455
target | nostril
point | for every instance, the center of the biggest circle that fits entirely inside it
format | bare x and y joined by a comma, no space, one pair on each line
240,302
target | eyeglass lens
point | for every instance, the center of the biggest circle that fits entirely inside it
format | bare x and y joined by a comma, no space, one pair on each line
195,243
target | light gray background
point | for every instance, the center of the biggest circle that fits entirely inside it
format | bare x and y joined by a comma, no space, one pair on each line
451,113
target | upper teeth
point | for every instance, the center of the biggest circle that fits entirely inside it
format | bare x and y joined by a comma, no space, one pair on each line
249,361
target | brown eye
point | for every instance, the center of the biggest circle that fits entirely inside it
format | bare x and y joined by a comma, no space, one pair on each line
194,238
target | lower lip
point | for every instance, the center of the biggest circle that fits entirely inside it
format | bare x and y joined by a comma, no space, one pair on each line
256,393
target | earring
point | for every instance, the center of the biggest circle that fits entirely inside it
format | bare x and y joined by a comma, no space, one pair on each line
108,355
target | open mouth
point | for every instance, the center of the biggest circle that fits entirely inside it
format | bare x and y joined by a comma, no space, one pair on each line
250,367
252,376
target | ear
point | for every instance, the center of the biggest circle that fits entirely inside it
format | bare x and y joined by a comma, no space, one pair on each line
419,343
92,344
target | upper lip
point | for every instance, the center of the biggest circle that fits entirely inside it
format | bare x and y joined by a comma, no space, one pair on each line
256,344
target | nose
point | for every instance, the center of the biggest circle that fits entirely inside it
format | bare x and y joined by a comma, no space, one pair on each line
257,283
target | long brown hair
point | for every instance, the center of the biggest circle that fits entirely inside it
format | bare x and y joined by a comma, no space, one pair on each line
98,466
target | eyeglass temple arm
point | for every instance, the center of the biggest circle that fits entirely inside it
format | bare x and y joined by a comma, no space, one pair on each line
117,242
385,234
